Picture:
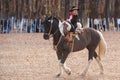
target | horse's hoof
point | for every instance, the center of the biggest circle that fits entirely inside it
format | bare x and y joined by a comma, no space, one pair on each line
69,73
57,75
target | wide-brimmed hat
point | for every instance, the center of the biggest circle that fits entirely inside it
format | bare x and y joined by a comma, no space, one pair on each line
73,8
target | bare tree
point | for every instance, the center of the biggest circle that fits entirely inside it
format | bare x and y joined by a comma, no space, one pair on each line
81,7
1,9
36,8
67,6
21,8
117,11
107,12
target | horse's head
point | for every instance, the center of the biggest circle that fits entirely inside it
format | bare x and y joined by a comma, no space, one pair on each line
50,26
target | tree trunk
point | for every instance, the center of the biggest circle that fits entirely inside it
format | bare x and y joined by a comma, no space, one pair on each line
67,6
33,8
107,14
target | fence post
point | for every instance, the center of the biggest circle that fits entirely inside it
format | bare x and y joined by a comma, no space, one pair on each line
40,26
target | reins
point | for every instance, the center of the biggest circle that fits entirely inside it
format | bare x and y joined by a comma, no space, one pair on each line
55,46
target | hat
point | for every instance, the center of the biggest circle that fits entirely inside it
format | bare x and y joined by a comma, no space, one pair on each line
74,8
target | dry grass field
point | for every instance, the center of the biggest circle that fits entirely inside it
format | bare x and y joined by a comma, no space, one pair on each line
27,56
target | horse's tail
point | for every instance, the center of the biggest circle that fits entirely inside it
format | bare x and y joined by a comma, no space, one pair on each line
102,46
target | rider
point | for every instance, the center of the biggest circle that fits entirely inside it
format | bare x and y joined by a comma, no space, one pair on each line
73,20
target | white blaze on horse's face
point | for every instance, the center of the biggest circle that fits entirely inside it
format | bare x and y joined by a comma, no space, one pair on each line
51,21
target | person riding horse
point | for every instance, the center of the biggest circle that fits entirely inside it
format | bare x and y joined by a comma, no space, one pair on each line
90,39
75,25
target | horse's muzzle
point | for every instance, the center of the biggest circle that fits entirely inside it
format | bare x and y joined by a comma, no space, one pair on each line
46,36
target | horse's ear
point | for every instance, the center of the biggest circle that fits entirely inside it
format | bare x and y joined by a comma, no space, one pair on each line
61,19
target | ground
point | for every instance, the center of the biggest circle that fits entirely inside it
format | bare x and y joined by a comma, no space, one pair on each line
27,56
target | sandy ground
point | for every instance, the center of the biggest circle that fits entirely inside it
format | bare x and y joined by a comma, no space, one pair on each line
26,56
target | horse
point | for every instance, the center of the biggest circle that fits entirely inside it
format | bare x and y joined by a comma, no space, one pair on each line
91,39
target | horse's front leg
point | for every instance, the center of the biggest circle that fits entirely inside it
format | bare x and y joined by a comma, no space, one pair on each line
59,55
66,69
63,65
59,69
62,58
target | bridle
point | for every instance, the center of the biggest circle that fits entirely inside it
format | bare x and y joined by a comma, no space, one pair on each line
51,27
51,21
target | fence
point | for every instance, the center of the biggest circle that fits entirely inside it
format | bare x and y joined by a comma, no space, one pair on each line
36,25
19,26
101,24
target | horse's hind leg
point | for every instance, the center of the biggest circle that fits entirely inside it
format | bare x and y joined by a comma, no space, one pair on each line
89,62
99,63
86,69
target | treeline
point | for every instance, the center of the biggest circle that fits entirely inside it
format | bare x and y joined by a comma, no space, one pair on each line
59,8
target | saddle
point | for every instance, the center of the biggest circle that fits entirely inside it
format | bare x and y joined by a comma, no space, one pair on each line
70,36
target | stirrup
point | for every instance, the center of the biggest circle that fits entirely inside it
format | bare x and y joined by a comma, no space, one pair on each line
72,36
77,37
